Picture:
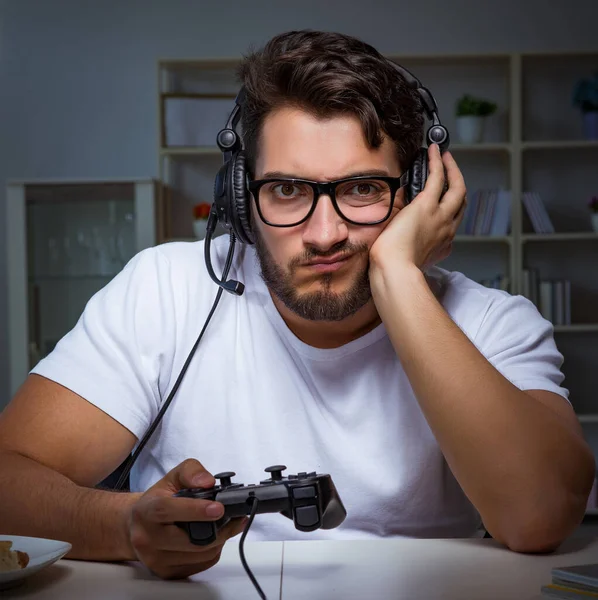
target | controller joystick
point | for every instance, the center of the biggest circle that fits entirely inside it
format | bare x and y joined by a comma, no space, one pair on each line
275,472
225,478
310,500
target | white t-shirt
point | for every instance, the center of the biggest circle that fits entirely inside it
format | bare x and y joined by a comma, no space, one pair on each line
255,395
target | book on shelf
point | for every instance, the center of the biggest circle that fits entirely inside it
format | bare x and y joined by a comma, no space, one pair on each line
551,296
537,213
488,212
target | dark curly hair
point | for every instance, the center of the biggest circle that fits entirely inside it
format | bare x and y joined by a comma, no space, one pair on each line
325,74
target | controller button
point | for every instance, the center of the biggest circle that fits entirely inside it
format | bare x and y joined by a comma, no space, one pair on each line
302,474
201,530
307,491
307,516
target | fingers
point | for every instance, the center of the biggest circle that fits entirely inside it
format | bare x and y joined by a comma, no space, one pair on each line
455,198
232,528
189,474
168,509
178,565
182,572
166,558
174,539
435,183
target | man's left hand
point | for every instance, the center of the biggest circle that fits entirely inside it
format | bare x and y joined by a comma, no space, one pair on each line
422,232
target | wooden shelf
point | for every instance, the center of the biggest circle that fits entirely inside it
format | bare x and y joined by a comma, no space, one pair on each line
559,144
496,239
483,147
574,236
191,151
577,328
590,418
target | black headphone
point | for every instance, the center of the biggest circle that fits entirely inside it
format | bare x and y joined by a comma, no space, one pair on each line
231,197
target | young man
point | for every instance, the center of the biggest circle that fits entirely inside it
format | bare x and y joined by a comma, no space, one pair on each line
434,403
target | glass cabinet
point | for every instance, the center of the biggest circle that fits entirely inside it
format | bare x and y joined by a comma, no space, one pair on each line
65,241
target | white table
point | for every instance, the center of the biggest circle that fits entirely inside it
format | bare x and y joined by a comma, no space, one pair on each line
457,569
82,580
446,569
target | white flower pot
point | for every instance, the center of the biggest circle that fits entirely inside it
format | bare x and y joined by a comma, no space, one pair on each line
199,228
470,129
594,216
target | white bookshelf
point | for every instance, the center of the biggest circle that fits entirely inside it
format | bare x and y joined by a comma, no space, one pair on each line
534,142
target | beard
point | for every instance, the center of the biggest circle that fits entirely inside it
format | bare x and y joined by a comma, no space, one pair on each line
324,304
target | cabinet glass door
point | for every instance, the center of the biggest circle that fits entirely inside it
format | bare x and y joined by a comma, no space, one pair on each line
78,238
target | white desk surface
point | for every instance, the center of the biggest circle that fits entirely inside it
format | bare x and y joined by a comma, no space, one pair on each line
82,580
446,569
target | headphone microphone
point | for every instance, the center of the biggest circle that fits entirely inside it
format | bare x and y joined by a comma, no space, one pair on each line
230,285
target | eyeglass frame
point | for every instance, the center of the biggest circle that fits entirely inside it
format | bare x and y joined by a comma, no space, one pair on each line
328,188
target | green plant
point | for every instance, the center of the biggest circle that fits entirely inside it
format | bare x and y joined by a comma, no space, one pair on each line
585,94
469,105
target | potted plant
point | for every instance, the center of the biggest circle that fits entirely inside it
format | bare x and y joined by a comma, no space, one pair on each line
201,213
593,206
585,97
471,113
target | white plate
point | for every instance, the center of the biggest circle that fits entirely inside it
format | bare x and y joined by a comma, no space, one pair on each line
41,552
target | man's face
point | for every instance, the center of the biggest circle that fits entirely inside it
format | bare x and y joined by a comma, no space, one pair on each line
302,146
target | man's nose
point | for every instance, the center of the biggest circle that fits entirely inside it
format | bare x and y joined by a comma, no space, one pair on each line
325,227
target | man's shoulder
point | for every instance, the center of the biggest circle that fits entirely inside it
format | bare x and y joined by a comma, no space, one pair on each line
186,260
457,289
467,301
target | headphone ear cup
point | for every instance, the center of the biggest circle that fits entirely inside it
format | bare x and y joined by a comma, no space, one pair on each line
418,174
240,209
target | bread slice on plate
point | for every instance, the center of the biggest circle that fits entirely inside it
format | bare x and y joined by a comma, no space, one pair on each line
11,560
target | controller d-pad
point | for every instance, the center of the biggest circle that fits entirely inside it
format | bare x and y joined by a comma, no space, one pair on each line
307,516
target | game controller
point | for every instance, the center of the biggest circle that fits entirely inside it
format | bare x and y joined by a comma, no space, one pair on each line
310,500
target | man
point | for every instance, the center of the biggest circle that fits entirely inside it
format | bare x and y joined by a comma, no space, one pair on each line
434,403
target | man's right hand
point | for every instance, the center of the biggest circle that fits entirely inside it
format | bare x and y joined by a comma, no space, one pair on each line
163,546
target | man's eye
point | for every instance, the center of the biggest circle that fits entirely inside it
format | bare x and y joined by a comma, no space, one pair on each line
285,189
364,189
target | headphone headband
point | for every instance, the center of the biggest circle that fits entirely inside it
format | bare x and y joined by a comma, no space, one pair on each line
229,141
231,198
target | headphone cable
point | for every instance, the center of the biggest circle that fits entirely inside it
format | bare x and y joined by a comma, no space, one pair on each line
131,460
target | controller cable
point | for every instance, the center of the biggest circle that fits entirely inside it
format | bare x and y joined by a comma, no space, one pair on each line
242,550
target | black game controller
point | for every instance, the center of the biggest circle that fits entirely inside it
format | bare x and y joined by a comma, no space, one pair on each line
309,499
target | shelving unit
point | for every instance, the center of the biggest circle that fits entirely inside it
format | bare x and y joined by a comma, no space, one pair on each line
534,142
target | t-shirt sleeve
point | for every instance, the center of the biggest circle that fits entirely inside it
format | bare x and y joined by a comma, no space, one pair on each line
114,354
519,342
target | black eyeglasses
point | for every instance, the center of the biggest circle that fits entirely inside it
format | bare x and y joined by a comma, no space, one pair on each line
360,200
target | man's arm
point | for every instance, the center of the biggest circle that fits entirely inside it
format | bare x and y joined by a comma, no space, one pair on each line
519,456
54,447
